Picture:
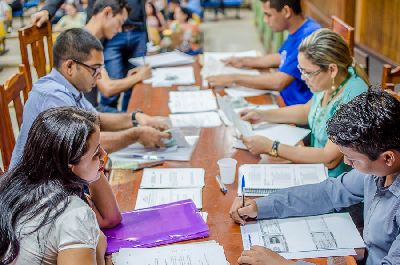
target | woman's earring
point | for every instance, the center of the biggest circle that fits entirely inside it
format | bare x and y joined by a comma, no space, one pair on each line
333,84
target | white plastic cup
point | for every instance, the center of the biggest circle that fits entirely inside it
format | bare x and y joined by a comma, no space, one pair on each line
227,170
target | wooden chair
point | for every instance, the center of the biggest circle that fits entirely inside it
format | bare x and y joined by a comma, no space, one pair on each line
11,92
34,37
344,30
390,77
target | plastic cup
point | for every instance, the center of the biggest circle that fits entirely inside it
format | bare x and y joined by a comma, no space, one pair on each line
227,170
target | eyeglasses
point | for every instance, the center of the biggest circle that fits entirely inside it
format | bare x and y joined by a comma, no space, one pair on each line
308,75
96,70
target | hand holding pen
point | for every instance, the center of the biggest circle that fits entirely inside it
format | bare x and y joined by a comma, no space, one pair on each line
241,214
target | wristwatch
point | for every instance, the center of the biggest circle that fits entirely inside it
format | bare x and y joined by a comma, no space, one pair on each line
274,149
135,123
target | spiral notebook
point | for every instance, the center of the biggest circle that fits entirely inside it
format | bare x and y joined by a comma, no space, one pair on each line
263,179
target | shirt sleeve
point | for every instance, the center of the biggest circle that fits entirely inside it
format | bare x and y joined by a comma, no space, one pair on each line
78,230
327,196
289,65
52,6
393,257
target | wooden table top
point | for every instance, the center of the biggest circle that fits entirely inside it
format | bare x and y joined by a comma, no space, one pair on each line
213,144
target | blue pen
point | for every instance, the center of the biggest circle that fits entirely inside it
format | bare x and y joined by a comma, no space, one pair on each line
250,244
243,185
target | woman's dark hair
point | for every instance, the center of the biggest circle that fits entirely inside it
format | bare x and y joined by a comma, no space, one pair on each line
39,185
187,12
368,124
154,12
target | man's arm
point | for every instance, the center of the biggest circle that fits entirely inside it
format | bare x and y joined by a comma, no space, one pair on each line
272,81
259,62
115,121
105,204
331,194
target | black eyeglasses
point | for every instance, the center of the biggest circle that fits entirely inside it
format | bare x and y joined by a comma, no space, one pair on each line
96,70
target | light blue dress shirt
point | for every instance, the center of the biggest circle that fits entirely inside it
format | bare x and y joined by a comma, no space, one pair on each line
381,209
50,91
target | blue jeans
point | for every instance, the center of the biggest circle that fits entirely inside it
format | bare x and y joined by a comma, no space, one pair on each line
117,52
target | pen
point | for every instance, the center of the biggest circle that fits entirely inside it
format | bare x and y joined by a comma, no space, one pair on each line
243,185
250,244
222,187
149,157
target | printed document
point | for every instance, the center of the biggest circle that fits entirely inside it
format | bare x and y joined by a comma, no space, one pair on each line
151,197
161,178
199,120
163,59
262,179
192,101
241,91
305,237
169,76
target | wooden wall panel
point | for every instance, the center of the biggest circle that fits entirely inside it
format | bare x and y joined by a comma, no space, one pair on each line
322,10
378,28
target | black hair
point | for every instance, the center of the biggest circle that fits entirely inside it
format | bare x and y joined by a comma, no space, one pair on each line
175,2
75,44
187,12
42,180
117,6
295,5
368,124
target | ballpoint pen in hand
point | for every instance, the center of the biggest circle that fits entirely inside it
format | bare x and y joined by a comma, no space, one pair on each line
243,186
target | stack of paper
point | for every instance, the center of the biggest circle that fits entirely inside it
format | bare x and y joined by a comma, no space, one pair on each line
214,66
202,253
262,179
163,59
169,76
305,237
192,101
241,91
163,224
164,185
199,120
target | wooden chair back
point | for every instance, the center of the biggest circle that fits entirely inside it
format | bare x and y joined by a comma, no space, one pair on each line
344,30
390,77
11,92
34,37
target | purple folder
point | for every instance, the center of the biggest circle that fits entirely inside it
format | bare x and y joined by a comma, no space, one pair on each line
157,225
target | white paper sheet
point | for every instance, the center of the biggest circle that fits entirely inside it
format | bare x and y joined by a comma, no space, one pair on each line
305,237
192,101
261,179
163,59
201,253
198,120
241,91
283,133
151,197
169,76
162,178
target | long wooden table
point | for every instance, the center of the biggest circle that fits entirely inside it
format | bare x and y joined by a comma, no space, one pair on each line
213,144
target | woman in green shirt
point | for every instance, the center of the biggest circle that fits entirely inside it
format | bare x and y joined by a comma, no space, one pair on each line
327,67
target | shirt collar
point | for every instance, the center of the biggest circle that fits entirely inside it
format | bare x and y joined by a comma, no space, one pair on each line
394,188
59,78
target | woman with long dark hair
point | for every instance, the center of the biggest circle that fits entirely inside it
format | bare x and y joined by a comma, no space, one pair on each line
45,218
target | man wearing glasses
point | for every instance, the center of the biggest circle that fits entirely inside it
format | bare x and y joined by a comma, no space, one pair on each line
279,15
78,63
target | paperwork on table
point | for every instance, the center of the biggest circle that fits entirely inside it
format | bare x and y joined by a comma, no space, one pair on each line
192,101
161,178
163,59
263,179
199,120
152,197
201,253
240,91
305,237
169,76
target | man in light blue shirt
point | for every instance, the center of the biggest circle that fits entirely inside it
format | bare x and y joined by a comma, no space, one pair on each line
367,133
78,61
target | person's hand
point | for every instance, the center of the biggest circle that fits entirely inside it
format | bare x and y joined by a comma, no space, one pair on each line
155,122
251,115
220,80
240,214
234,62
39,18
143,72
257,144
258,255
150,137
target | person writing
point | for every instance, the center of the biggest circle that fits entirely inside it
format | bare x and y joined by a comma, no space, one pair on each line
366,132
327,67
46,218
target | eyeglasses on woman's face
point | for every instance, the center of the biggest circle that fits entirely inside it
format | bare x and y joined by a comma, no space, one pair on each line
306,74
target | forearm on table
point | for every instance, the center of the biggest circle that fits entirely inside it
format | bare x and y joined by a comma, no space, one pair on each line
114,141
102,196
276,81
115,121
263,62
